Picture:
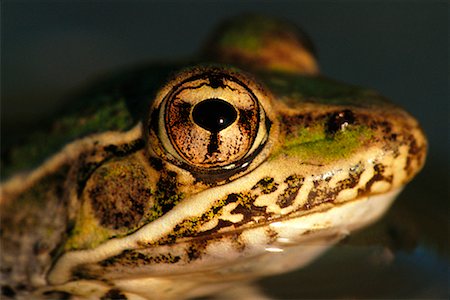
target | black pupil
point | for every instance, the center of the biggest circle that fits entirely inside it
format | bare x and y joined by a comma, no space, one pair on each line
214,115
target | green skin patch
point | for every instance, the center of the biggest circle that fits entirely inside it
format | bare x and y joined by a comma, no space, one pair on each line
110,115
314,145
319,90
87,233
249,36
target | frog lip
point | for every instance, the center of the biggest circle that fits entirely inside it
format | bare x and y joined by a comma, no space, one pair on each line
282,221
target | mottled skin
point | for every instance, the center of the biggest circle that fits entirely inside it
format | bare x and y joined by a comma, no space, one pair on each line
117,211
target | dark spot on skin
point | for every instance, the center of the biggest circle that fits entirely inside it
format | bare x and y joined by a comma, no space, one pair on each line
272,234
266,185
220,224
416,154
413,147
84,172
393,137
193,253
6,270
133,258
377,176
83,273
236,241
40,247
196,250
313,195
323,194
125,149
114,294
216,81
339,120
70,226
294,183
8,291
153,122
156,163
249,211
51,295
167,195
190,227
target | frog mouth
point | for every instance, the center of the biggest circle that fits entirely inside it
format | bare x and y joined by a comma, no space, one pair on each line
321,220
312,231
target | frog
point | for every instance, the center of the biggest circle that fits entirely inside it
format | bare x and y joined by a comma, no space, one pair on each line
188,179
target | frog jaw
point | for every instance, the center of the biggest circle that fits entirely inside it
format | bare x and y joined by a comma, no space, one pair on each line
226,259
247,205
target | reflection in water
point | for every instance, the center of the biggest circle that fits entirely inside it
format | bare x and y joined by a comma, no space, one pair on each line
364,272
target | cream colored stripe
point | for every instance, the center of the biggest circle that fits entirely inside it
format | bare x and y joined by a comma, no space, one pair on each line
18,183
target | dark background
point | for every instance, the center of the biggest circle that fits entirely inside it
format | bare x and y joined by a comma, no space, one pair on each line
399,48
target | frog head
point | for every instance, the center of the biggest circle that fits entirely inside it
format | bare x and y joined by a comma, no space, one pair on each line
235,171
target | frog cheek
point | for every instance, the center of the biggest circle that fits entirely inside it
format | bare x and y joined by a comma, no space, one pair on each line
209,119
105,210
121,196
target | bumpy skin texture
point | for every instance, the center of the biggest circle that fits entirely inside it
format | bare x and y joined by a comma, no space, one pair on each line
116,199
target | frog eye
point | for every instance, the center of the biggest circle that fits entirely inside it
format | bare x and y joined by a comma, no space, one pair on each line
211,118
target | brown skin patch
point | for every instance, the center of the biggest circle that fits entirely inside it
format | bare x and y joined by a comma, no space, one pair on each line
237,242
51,295
294,183
267,185
196,249
167,194
156,163
272,234
8,291
220,224
134,258
292,123
120,196
114,294
416,153
247,208
32,229
378,175
191,227
125,149
321,193
89,162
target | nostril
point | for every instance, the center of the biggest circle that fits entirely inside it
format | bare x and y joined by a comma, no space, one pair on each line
338,121
214,114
